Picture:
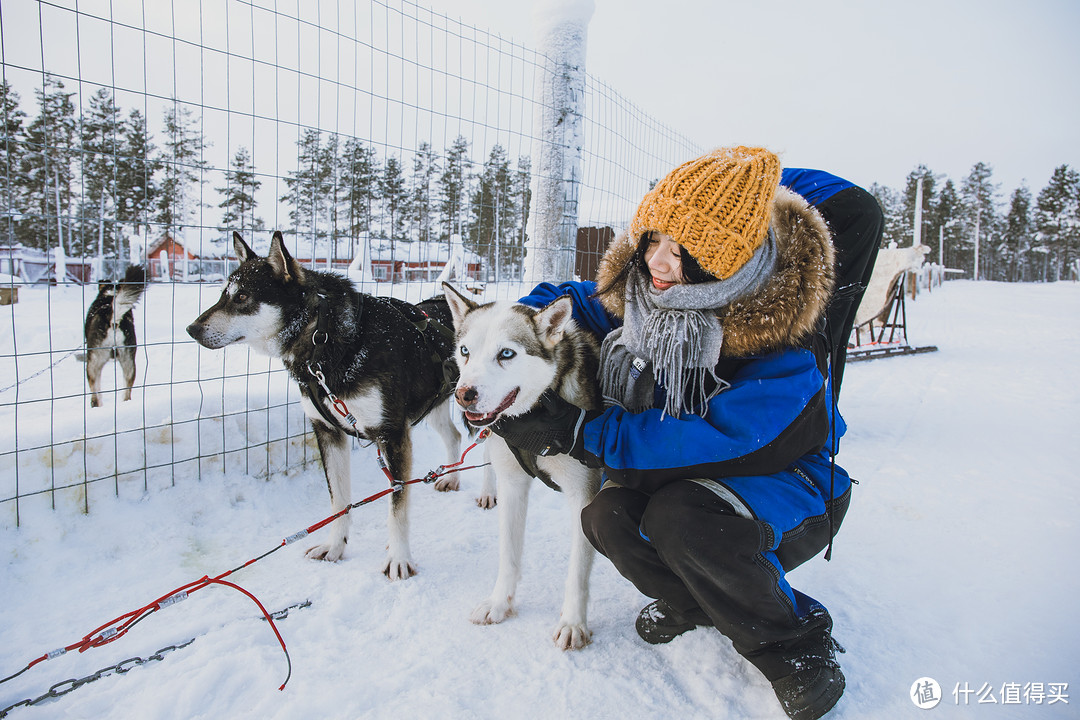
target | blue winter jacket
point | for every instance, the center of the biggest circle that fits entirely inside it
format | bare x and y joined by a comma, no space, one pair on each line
766,439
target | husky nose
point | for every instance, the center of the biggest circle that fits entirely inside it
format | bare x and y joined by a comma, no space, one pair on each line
466,395
194,330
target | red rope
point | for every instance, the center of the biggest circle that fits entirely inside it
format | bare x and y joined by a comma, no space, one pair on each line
119,626
269,619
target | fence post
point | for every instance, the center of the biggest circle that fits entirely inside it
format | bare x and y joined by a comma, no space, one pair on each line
557,149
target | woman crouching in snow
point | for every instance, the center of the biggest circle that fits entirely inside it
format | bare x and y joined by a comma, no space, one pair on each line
718,439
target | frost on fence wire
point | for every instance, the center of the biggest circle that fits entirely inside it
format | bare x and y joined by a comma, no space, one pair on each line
386,141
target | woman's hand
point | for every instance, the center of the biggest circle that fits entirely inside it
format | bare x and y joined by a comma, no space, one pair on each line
553,427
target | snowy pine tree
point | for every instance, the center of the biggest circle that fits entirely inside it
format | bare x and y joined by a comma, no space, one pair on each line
308,187
978,194
11,137
420,210
1018,231
360,173
892,207
102,142
514,255
947,225
46,173
910,192
238,196
1056,218
394,198
136,170
334,191
452,187
493,212
181,159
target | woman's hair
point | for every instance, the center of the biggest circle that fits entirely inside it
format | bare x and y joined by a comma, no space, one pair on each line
692,271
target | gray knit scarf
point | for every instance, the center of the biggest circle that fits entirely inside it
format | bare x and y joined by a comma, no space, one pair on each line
673,338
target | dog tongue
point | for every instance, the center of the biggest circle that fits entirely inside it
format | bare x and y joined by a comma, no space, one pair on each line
479,419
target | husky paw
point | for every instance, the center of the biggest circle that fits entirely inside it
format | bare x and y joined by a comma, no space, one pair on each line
330,552
446,484
489,613
571,637
486,501
399,569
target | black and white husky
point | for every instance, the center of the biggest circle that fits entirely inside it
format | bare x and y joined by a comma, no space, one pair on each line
508,355
367,367
110,330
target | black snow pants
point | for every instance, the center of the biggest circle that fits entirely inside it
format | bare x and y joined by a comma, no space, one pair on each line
686,546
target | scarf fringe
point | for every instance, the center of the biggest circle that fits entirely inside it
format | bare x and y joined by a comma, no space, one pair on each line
672,340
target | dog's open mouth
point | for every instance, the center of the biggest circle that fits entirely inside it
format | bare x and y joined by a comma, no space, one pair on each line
482,419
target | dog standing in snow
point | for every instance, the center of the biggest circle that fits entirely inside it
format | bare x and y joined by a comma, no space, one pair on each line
509,355
367,367
110,330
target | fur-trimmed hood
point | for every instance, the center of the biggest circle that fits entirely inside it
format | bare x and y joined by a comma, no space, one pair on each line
787,308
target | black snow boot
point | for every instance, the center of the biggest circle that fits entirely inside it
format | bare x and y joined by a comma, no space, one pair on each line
817,683
658,623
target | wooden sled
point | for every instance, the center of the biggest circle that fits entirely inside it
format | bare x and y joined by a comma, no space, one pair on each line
892,321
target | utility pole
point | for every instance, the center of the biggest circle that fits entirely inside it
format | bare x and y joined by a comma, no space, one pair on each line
978,220
916,237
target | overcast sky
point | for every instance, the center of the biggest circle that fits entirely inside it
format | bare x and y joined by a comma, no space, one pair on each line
865,89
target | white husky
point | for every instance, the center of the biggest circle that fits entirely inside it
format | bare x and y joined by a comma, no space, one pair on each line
509,355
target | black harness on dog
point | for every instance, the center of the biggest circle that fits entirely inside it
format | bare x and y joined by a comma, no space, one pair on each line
527,461
321,336
447,368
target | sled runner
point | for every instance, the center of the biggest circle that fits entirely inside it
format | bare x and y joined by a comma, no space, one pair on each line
887,331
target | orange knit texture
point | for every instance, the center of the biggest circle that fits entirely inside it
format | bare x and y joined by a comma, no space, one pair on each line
717,207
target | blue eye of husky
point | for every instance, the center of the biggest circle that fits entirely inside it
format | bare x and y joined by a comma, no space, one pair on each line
464,351
506,354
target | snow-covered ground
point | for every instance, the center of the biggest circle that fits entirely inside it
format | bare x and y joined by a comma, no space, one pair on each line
957,560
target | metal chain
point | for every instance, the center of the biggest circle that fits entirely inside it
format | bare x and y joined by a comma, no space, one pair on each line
39,372
65,686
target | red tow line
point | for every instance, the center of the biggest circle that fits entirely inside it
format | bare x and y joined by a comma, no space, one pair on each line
118,627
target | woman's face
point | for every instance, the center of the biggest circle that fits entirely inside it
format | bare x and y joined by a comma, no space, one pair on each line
663,257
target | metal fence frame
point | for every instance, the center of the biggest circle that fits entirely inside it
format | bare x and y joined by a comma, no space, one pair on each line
420,76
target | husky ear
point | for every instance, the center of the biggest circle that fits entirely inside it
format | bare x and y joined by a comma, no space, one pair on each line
243,252
553,320
459,304
282,262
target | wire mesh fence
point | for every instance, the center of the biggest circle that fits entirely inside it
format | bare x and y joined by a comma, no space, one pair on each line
387,142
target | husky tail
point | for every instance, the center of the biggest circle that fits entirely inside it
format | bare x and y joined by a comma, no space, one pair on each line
129,290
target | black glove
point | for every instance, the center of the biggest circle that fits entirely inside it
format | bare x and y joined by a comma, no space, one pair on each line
553,427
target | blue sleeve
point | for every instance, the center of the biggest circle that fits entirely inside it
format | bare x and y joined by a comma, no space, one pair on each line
775,412
816,186
589,313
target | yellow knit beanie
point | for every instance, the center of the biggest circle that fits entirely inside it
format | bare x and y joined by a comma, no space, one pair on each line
717,207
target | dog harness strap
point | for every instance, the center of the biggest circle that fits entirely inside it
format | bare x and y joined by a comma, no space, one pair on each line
527,461
316,400
319,339
321,336
446,368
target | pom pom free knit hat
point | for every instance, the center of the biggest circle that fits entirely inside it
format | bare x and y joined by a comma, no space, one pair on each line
717,207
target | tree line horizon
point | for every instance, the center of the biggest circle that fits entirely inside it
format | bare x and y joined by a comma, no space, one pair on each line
80,179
